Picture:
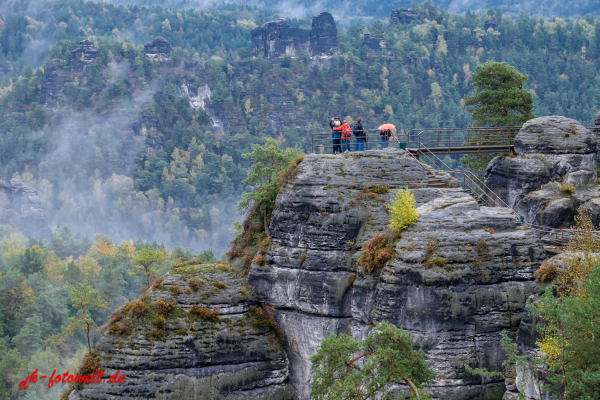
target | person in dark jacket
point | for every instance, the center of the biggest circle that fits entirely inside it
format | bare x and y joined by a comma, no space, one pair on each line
385,137
336,126
359,133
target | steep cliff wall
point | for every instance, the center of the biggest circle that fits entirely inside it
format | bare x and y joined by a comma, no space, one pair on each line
20,206
459,276
192,353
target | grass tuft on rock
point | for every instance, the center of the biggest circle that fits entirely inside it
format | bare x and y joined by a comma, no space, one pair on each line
376,253
205,313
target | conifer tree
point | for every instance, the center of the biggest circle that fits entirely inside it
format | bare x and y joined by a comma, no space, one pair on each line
499,98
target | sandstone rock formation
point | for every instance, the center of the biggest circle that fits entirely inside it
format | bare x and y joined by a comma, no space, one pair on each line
554,172
404,16
490,24
276,39
83,55
159,48
376,44
21,207
232,356
458,277
323,35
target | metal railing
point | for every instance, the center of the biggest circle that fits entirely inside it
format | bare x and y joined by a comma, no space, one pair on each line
458,139
324,143
428,142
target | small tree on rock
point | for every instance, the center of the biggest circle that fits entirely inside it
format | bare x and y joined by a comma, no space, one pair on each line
344,368
266,174
145,259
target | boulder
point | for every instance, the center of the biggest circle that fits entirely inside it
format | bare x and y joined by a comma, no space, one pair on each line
232,356
21,207
555,135
552,175
512,178
454,301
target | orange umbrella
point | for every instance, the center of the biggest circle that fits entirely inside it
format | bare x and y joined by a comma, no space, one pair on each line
385,127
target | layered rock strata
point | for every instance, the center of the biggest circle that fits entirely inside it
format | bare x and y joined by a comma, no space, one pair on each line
158,48
458,277
404,16
554,172
376,44
21,207
276,39
188,356
83,55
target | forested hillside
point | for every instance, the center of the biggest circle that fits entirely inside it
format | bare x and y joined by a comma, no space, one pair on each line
119,150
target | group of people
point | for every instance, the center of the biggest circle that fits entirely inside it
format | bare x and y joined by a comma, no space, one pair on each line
342,132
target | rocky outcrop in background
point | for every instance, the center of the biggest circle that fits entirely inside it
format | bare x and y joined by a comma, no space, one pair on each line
276,39
191,353
159,48
376,44
83,55
404,16
458,276
553,173
21,207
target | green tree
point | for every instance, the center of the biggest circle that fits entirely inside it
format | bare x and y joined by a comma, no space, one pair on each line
345,368
514,363
266,175
83,298
499,98
146,258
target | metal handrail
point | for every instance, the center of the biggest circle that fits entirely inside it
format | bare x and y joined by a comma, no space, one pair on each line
480,140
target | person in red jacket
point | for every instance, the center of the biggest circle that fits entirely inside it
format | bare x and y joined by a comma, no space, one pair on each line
346,134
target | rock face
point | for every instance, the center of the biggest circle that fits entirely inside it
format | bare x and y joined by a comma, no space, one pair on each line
158,48
273,40
376,44
232,357
83,55
404,16
556,159
490,24
20,206
458,277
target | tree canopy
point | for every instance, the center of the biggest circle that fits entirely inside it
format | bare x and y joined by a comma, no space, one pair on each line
499,98
345,368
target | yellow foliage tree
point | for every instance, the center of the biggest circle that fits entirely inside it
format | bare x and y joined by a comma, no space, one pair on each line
403,210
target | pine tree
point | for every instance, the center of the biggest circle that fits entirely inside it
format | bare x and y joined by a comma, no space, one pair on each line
499,98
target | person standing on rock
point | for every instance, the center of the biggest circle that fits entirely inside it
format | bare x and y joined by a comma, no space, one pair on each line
359,133
385,137
336,126
346,134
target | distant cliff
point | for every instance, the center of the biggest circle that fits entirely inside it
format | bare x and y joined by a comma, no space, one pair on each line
276,39
20,206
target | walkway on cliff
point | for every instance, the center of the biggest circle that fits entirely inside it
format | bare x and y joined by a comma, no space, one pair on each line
441,141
